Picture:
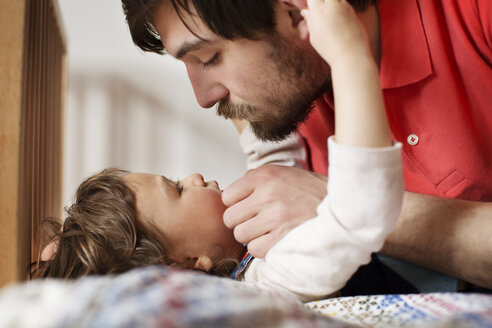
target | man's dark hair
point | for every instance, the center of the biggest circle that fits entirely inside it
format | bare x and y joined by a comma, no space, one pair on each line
227,18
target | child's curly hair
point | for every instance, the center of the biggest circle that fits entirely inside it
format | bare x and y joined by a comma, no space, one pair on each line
101,233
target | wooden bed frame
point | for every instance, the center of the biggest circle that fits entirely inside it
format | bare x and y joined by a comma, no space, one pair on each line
32,85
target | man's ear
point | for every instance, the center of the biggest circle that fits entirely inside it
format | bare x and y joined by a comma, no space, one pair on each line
204,263
290,21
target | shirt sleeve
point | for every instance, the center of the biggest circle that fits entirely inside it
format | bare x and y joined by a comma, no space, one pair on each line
316,259
288,152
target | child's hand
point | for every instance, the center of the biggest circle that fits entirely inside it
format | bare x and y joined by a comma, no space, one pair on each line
334,29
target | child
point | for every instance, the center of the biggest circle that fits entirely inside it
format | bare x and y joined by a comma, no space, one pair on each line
122,220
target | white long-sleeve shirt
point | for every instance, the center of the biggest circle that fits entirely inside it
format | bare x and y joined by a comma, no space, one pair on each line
365,193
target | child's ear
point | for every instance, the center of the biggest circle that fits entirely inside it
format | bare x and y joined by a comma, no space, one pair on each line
204,263
49,251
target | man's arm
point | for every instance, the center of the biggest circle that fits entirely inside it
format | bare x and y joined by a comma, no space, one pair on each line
447,235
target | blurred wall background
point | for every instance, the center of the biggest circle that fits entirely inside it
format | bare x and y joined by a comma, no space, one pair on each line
134,110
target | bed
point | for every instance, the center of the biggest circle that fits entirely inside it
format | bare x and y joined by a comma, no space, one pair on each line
159,296
30,183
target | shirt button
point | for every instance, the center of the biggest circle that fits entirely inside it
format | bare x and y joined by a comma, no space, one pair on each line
412,139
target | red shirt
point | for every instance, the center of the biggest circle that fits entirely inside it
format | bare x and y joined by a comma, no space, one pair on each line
436,75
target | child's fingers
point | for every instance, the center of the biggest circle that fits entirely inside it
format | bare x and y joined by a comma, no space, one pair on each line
305,30
305,14
313,3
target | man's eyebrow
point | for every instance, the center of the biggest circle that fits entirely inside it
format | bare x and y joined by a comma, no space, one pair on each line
190,46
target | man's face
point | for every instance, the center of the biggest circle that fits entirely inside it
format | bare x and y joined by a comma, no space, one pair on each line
269,82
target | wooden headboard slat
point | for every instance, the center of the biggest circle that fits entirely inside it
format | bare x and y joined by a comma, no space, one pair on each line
31,126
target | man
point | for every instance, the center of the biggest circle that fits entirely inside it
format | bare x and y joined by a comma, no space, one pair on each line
253,59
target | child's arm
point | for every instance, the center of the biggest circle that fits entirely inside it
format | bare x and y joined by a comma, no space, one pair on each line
316,259
339,37
365,187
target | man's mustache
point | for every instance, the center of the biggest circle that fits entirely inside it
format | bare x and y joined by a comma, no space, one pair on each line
229,110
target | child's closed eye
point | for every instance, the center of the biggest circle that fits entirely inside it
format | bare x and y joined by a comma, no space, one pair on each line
179,187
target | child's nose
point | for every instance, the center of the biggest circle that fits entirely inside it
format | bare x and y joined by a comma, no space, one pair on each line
196,179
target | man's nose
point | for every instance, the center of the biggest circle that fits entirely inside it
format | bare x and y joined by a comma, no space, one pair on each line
207,91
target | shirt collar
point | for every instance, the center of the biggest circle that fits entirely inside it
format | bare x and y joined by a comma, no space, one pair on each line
405,57
236,273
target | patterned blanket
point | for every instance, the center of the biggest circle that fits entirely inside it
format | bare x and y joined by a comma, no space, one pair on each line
152,297
413,310
160,297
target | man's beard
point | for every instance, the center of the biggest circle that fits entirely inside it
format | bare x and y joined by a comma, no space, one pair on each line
301,81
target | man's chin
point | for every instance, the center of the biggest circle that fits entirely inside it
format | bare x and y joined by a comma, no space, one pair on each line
274,134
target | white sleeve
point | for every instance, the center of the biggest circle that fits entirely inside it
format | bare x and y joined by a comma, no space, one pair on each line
288,152
365,194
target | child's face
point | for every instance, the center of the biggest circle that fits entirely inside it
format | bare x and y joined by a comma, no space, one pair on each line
191,221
